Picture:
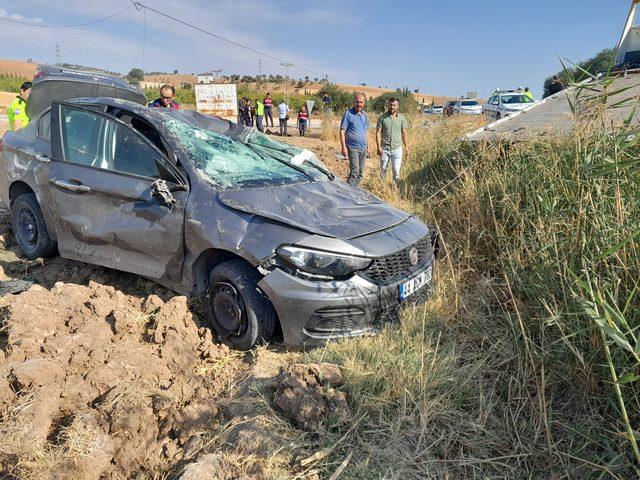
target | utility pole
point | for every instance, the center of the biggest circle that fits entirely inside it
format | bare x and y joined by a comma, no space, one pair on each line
260,75
58,54
286,80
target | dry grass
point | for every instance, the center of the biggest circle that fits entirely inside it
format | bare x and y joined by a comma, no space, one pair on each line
501,375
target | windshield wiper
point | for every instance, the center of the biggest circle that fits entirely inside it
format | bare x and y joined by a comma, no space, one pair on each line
323,170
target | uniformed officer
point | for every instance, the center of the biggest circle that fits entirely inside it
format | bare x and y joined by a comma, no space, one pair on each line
18,108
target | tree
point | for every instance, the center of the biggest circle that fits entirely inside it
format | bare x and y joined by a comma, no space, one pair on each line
416,91
175,71
135,75
315,79
601,62
300,84
408,102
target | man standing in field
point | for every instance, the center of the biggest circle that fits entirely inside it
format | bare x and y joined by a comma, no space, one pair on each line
391,136
283,117
18,109
354,133
259,114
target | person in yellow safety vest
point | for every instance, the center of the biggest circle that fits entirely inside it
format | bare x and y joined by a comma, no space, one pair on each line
18,109
528,93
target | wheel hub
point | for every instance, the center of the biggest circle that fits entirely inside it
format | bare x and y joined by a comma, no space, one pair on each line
27,228
228,308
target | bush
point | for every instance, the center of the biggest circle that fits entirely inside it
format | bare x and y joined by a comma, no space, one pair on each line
601,62
408,103
12,83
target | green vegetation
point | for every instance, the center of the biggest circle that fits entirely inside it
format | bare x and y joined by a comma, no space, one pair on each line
526,362
601,62
135,76
11,84
408,103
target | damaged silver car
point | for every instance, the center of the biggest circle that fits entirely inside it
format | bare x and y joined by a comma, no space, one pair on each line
203,205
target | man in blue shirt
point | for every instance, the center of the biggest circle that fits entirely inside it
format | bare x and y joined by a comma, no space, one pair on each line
354,137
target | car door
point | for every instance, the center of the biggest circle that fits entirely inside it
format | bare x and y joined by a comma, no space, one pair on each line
104,178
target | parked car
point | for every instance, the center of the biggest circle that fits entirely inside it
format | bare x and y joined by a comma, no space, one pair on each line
448,108
467,107
433,110
201,204
503,104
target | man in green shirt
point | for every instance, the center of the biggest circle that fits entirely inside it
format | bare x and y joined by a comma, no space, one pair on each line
259,114
17,111
391,137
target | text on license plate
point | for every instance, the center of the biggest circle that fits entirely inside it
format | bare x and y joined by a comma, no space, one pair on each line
415,284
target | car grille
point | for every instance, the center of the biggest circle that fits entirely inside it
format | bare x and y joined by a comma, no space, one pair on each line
396,266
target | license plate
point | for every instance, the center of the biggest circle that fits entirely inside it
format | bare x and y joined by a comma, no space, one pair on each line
415,284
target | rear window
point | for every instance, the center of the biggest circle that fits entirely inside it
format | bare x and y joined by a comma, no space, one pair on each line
515,99
469,103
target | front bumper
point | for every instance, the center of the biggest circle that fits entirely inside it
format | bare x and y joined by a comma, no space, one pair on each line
311,312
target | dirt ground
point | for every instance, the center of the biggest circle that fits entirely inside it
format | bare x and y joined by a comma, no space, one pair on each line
106,375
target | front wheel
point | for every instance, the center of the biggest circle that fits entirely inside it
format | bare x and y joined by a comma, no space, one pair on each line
237,309
30,229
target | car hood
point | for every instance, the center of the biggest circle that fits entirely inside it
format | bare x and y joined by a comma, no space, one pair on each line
332,209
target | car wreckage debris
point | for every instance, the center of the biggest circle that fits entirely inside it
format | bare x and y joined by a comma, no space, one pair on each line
160,190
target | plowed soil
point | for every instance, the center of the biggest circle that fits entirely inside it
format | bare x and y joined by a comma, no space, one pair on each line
106,375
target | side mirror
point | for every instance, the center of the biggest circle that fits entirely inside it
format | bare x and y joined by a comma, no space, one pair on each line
160,191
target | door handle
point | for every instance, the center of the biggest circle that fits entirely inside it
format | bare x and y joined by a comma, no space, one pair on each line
42,158
71,186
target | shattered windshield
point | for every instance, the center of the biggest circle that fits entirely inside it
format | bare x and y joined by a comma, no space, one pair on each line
252,161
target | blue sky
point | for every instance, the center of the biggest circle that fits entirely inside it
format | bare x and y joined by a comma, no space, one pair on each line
445,48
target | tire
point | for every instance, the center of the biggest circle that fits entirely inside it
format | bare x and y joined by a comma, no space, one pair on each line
238,310
498,116
30,229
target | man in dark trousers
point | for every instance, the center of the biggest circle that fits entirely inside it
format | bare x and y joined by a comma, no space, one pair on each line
354,138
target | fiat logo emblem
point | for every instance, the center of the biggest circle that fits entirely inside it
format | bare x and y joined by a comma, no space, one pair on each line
413,255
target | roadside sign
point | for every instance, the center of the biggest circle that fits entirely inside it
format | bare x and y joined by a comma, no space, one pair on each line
217,99
310,104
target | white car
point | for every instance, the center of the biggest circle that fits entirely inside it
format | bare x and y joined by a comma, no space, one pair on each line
503,104
467,107
433,110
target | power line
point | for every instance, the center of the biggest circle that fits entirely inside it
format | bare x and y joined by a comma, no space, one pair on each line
65,26
140,6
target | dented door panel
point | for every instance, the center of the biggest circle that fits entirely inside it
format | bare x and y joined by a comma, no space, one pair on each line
116,222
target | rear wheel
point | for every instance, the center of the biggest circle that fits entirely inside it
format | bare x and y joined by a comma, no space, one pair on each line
237,309
498,116
30,229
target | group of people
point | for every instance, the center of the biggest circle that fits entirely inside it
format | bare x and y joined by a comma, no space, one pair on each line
390,139
258,114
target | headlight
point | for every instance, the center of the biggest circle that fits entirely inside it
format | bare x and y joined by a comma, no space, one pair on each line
325,264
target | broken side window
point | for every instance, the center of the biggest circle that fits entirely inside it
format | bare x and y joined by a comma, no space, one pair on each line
230,163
